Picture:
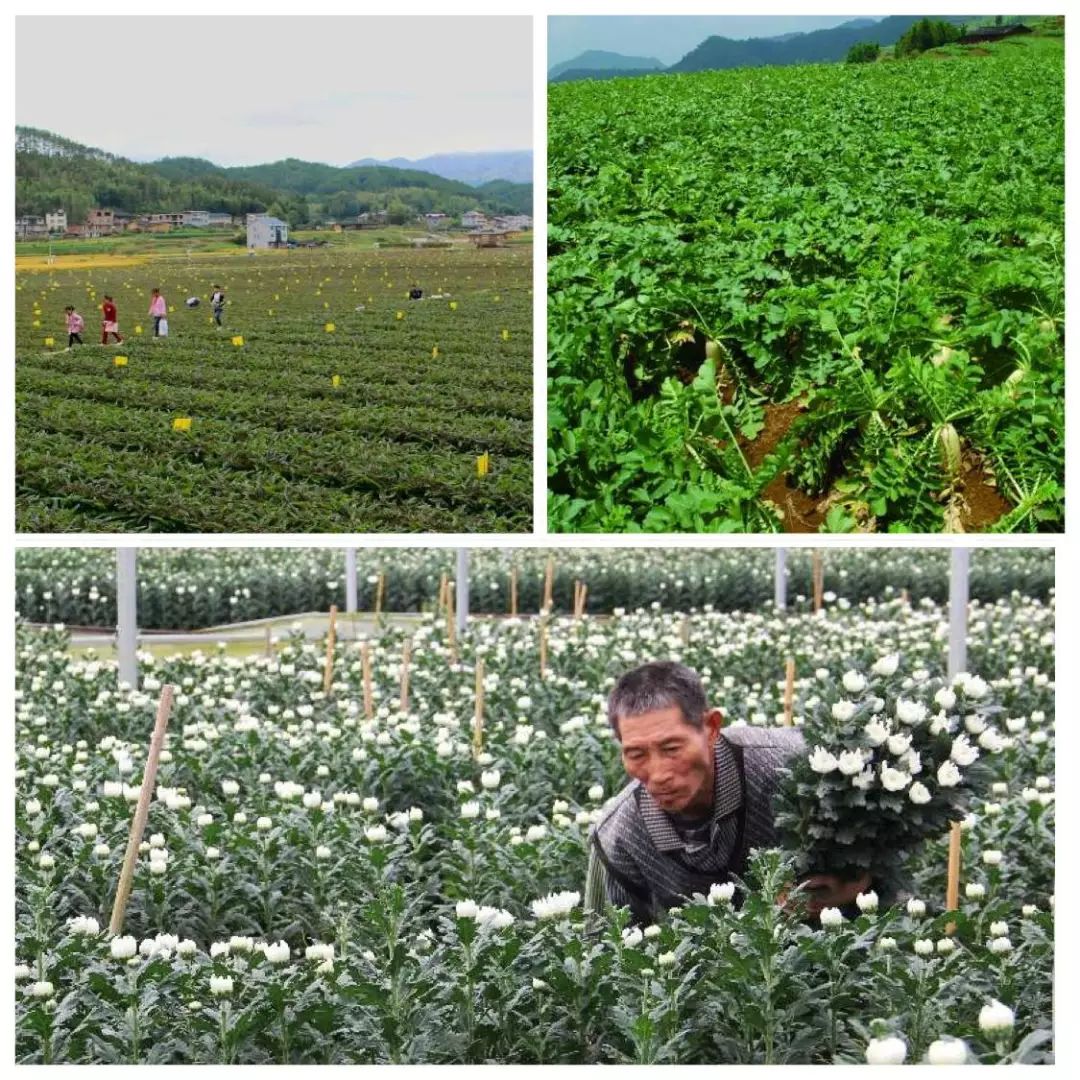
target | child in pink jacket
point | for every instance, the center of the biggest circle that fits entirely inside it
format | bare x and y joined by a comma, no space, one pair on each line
158,310
75,325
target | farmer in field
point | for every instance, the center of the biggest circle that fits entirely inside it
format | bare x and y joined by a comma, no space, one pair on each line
109,321
75,326
158,310
699,801
217,303
415,292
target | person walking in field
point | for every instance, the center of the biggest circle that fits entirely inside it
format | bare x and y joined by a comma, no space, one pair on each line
75,324
158,311
217,303
109,321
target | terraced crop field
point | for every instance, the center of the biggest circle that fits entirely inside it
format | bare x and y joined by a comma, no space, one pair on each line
827,297
328,402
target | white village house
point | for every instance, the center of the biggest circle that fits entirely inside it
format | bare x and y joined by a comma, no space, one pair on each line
56,221
264,231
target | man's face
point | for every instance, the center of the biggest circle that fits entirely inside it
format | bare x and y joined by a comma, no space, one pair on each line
672,760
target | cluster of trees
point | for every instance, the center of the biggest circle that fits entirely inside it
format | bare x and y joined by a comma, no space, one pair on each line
52,172
865,52
927,34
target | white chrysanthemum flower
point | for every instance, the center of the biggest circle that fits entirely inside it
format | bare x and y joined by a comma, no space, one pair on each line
974,890
888,1051
666,959
916,908
843,711
493,918
821,761
854,683
945,698
470,810
991,857
276,952
919,794
893,779
886,665
910,712
851,762
221,985
923,947
41,989
489,780
876,732
887,944
535,833
999,945
264,824
963,753
995,1018
899,744
84,925
596,792
632,937
867,901
466,909
948,775
230,788
831,917
375,834
947,1052
555,905
720,893
123,948
945,946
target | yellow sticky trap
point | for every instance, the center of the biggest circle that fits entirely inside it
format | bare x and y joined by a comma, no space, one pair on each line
50,341
453,305
399,316
483,464
335,380
498,299
181,423
506,335
171,309
435,352
270,311
138,329
325,304
119,361
329,327
238,341
37,323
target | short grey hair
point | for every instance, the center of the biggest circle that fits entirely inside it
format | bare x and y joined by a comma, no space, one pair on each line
659,684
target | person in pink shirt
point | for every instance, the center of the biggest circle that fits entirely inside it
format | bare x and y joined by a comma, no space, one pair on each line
158,310
75,324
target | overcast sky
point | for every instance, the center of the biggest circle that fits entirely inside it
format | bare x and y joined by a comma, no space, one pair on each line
243,91
668,37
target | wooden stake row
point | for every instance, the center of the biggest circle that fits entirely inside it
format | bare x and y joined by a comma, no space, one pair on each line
478,715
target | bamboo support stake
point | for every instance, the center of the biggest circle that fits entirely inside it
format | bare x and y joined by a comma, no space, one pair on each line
818,575
513,590
451,624
365,663
380,589
331,639
406,657
905,599
549,582
584,598
142,810
789,693
577,597
478,716
952,888
684,630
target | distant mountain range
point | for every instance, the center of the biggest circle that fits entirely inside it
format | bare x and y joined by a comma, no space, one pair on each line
52,171
598,60
515,166
813,47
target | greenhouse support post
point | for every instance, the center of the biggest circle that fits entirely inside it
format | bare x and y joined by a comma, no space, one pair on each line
462,589
959,563
127,624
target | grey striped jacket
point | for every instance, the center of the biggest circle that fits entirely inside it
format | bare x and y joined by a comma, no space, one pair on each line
638,860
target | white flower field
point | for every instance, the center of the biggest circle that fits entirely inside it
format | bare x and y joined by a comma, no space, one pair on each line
367,874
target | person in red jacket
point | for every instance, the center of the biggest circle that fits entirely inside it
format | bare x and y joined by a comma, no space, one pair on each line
109,324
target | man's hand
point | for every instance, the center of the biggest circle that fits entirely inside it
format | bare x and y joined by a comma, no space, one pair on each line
827,890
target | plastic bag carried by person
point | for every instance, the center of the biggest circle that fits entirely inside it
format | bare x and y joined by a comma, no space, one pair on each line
163,328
